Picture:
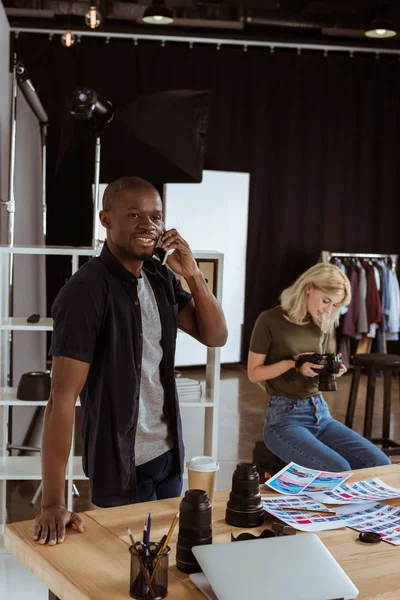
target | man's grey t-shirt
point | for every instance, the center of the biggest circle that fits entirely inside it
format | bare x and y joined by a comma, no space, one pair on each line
153,436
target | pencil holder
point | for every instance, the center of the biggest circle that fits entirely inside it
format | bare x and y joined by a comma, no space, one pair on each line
149,574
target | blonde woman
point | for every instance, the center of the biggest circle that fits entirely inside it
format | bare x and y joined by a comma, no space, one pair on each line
298,425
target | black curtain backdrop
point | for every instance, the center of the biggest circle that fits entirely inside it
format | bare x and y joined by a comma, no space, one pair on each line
320,137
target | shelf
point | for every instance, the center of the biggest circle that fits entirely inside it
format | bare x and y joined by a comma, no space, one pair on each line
29,467
8,397
20,324
55,250
86,251
194,403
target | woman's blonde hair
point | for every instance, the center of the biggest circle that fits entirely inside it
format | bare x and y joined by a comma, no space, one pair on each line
325,277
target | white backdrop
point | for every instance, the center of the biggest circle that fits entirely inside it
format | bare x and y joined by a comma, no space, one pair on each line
213,215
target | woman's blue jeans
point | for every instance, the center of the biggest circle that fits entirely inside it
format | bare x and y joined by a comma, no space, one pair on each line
303,431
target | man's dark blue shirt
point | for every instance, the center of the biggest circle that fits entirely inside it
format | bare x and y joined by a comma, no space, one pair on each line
97,320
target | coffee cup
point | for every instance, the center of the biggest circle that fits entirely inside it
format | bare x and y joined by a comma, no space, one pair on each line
202,473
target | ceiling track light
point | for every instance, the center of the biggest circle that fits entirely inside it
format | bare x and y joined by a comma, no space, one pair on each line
158,13
380,26
380,30
93,17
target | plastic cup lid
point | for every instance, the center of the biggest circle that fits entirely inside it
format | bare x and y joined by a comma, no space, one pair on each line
202,464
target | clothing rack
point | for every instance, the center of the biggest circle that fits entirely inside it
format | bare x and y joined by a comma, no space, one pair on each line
326,256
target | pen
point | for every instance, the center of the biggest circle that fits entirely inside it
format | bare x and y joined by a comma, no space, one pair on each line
148,531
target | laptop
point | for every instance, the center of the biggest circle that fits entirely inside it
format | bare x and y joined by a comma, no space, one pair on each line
296,567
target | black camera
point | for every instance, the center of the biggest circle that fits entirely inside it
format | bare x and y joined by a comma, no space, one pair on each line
326,376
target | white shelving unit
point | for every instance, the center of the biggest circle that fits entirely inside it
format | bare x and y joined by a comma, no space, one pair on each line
28,467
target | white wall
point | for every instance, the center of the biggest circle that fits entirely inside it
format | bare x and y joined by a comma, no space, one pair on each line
213,215
5,95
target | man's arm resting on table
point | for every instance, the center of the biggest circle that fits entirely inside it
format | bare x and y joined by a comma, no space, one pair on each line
68,378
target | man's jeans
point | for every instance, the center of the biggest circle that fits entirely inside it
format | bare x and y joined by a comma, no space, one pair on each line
303,431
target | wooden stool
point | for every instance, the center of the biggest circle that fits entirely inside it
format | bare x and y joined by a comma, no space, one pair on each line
389,364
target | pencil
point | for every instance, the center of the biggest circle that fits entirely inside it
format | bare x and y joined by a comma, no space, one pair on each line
167,539
170,532
320,512
131,537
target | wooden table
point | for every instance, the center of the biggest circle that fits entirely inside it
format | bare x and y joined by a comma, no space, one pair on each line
95,565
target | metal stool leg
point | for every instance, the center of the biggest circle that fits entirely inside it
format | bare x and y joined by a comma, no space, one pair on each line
369,408
37,494
351,405
387,393
39,491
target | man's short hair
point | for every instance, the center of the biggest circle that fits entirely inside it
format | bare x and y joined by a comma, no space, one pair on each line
115,190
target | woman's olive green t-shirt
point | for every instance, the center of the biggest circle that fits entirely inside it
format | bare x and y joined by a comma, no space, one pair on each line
280,339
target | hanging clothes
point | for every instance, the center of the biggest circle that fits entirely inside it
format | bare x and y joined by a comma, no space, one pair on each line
394,308
349,323
362,321
373,316
373,300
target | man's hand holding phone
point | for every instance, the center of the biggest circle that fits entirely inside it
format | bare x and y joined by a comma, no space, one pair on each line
178,255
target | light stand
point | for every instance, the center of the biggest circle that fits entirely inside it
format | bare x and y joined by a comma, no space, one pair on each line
88,105
21,78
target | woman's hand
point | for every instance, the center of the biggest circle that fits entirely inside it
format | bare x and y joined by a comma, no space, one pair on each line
307,369
342,370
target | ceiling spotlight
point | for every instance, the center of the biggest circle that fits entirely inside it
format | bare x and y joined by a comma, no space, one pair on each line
380,28
93,17
158,13
68,39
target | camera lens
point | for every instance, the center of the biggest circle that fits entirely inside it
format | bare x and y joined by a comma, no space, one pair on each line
244,508
195,529
327,383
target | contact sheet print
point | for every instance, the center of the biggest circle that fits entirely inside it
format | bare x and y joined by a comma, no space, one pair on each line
304,494
380,518
299,517
358,492
294,479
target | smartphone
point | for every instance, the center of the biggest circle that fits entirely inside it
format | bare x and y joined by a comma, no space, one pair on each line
163,256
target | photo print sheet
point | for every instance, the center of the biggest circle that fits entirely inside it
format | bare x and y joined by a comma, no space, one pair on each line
297,518
302,502
307,521
380,518
294,479
358,492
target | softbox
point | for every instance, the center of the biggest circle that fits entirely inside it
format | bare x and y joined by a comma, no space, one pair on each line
160,137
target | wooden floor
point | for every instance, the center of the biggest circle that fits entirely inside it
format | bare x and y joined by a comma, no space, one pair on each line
241,420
